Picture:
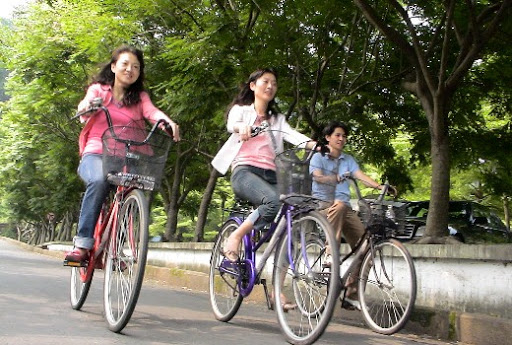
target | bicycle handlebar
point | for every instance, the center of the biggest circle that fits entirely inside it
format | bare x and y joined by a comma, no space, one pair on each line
386,189
97,104
255,130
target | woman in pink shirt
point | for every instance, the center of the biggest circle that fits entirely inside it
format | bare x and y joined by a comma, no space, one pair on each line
251,159
120,84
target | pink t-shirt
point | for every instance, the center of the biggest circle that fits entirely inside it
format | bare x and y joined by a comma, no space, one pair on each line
257,152
90,137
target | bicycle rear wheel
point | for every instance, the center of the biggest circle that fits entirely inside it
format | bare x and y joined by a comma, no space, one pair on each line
224,288
79,288
126,261
305,281
387,286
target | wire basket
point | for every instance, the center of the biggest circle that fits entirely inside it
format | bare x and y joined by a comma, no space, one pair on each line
371,214
293,178
131,161
381,217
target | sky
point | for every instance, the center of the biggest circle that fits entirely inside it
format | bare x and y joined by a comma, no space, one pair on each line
8,6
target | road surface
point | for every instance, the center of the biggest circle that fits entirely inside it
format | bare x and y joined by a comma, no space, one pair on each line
35,309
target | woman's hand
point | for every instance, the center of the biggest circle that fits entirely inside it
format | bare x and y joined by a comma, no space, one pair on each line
175,130
244,132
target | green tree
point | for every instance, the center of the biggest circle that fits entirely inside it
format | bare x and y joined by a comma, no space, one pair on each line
440,42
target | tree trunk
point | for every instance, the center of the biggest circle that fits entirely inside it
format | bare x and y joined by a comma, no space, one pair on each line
172,209
64,233
172,213
437,217
506,211
203,208
437,220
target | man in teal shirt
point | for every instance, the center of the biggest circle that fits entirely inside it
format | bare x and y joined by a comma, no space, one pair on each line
330,186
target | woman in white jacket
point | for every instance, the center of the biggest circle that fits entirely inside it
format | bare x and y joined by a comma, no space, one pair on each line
253,175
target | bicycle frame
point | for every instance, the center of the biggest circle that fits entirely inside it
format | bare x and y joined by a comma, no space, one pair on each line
105,228
283,222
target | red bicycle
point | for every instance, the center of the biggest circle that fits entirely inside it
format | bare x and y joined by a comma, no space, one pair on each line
133,161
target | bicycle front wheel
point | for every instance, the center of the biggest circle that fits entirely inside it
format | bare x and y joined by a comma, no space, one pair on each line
301,278
225,297
387,286
126,261
79,287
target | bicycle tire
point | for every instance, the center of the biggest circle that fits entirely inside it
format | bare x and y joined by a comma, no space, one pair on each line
387,286
224,278
314,288
126,261
79,288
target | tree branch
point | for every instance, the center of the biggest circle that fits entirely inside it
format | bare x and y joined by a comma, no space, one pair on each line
420,57
445,47
472,48
189,15
390,33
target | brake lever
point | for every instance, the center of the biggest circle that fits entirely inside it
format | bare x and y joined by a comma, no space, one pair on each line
255,130
94,105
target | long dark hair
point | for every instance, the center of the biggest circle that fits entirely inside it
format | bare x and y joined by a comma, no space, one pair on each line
107,77
246,95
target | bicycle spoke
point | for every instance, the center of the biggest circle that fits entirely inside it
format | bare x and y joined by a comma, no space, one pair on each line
224,279
124,271
387,289
305,281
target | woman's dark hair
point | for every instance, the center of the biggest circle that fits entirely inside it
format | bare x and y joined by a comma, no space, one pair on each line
331,127
246,95
107,77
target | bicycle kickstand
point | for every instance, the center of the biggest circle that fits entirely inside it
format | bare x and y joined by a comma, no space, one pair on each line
267,296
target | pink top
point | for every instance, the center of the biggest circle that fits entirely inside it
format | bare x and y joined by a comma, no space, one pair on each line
258,151
90,137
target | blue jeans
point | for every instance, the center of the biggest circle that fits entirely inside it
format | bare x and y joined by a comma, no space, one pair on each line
259,187
97,188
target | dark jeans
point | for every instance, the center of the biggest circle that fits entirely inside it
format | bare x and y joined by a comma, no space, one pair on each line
259,187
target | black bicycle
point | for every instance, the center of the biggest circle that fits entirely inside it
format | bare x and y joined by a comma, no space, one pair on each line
386,279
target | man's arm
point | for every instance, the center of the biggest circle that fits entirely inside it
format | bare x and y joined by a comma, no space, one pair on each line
366,180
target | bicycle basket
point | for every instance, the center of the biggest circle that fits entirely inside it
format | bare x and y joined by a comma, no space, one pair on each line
293,178
128,158
377,218
372,215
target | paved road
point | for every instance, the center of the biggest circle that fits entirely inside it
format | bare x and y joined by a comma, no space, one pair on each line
34,309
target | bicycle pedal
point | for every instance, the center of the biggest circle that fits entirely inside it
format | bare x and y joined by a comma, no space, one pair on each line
122,266
75,263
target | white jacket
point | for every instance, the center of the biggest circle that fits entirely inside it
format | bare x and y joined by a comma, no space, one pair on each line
246,115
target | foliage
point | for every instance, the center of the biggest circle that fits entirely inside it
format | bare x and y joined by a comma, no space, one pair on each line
332,64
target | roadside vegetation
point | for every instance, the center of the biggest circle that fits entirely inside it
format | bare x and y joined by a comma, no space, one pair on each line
425,86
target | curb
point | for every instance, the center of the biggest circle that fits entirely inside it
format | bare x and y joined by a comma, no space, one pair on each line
467,328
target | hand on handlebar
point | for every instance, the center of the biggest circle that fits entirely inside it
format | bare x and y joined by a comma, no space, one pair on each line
392,191
244,132
255,130
93,106
173,130
247,132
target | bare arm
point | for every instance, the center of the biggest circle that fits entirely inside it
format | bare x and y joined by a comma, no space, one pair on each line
367,180
319,177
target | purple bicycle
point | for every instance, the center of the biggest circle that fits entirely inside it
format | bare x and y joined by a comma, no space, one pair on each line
298,237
